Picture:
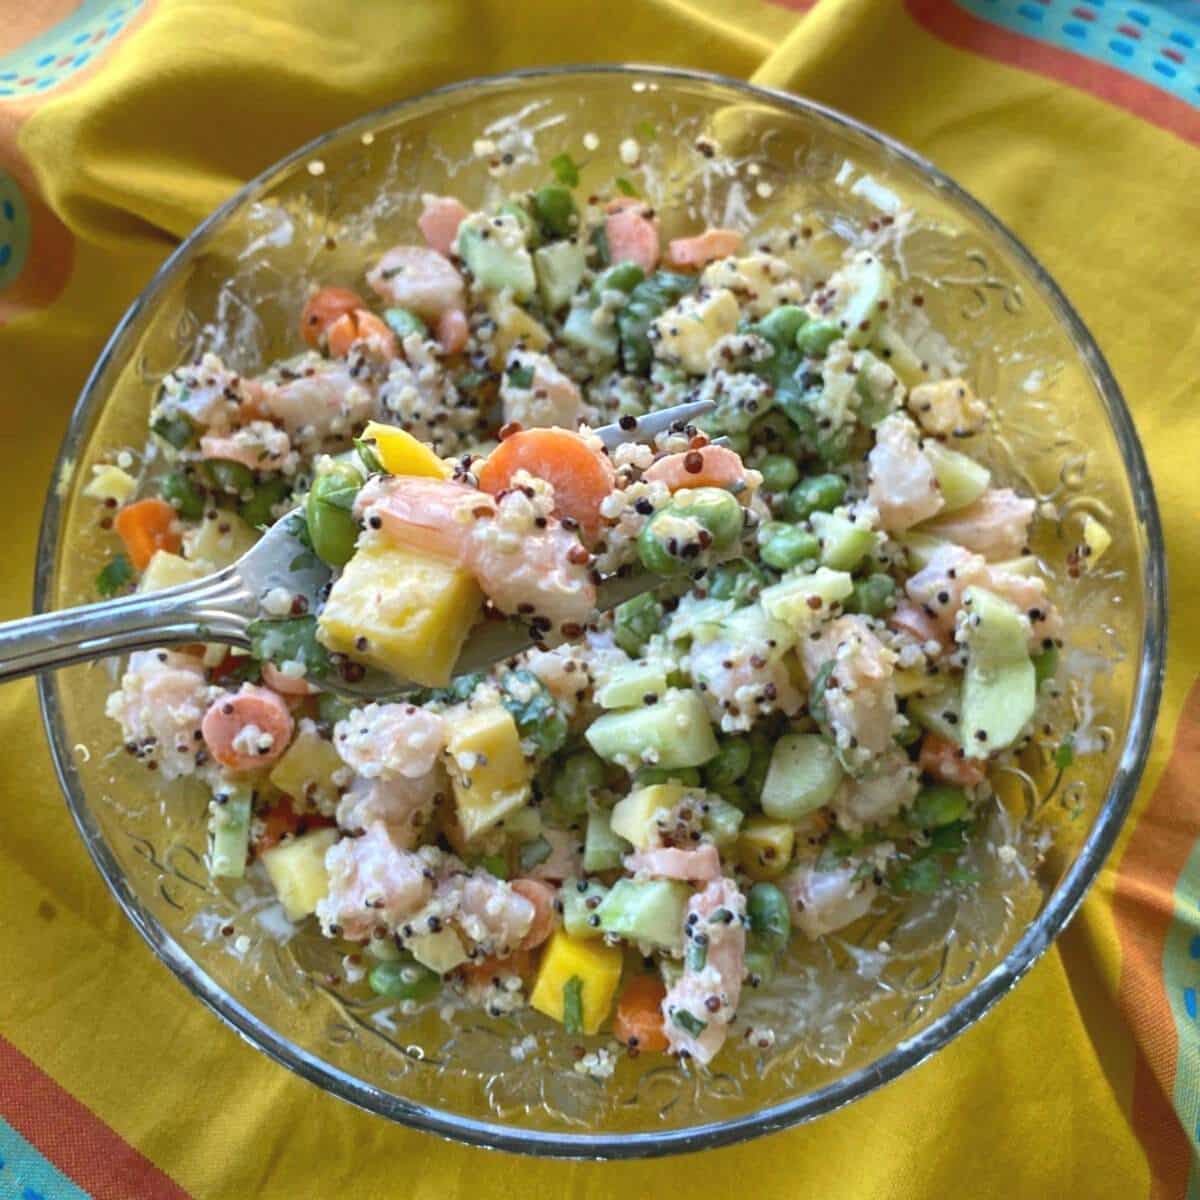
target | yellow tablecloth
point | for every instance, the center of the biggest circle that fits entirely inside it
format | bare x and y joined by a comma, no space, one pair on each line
124,122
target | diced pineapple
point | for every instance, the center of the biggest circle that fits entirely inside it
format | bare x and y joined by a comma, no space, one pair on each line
513,324
487,768
110,483
297,871
413,611
687,332
440,952
219,540
305,772
402,454
765,847
595,965
633,816
166,570
1096,540
763,281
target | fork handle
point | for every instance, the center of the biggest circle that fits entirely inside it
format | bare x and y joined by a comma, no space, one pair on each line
216,608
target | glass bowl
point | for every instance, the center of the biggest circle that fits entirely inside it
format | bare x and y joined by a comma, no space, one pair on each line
854,1011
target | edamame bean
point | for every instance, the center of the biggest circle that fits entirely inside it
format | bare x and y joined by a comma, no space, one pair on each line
332,528
182,492
770,918
816,337
623,277
635,622
785,546
936,806
260,508
782,326
554,208
737,580
716,509
403,981
778,433
760,964
730,764
871,595
672,538
739,443
817,493
779,472
233,477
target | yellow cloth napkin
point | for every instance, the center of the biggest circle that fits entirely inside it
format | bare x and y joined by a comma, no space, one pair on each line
124,122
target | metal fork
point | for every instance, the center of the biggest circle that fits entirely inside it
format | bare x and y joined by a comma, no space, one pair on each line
220,607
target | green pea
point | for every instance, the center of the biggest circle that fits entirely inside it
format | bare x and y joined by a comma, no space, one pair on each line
260,508
779,472
816,337
331,524
770,918
1045,665
533,235
762,748
870,595
781,327
554,208
730,764
785,546
937,806
654,541
233,477
623,277
403,322
581,774
716,509
817,493
403,981
689,777
182,492
761,964
738,580
636,621
739,443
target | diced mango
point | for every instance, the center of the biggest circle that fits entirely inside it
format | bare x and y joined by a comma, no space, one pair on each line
487,768
305,772
1096,539
687,332
110,483
765,847
402,454
440,952
411,611
513,324
166,570
633,816
595,965
219,540
296,868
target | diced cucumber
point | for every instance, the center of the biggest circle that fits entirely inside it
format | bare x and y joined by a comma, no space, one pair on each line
940,713
753,625
602,849
580,899
581,332
1000,685
920,548
559,268
863,289
675,732
1027,565
843,543
523,825
962,480
789,600
649,911
723,822
897,353
633,816
493,249
804,775
229,824
631,683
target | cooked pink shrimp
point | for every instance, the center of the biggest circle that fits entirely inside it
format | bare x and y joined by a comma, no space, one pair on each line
439,221
996,525
420,513
710,466
824,901
632,233
404,805
701,865
902,483
419,279
322,399
286,685
374,883
704,248
248,729
741,683
494,915
918,624
706,998
452,330
259,445
383,741
889,784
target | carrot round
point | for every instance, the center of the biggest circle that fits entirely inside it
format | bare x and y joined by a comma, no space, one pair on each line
323,308
712,466
945,761
145,526
252,710
541,896
639,1019
581,477
361,325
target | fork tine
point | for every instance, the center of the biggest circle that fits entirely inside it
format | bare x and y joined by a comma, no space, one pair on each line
648,427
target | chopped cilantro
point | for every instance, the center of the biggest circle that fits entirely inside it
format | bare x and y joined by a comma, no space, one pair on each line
1064,756
565,170
625,187
115,576
290,639
573,1005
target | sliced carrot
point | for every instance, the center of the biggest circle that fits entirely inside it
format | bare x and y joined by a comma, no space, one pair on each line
711,466
632,236
286,685
541,896
361,325
945,761
250,709
453,330
439,221
704,248
581,477
282,820
323,308
145,526
481,973
639,1020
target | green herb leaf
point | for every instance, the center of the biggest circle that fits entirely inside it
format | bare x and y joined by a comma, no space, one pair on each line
292,639
921,876
1064,756
369,457
115,576
688,1022
565,170
625,187
175,429
573,1005
538,717
816,693
495,865
520,377
696,954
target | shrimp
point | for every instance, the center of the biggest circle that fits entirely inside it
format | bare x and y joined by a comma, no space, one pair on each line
902,484
552,398
947,408
632,233
741,683
494,915
824,901
453,331
286,685
404,805
543,898
704,248
439,221
418,279
945,761
423,514
248,729
698,1009
710,466
386,741
701,865
259,445
564,860
889,785
318,398
996,525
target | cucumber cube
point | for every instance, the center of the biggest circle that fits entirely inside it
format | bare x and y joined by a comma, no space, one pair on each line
1000,684
559,267
493,249
962,480
920,548
602,849
649,911
804,775
629,685
675,732
789,600
843,544
580,900
581,332
940,713
863,290
723,822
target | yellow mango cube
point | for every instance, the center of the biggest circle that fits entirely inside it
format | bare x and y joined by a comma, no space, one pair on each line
402,454
487,768
765,847
595,965
305,772
166,570
110,483
440,952
403,612
219,540
297,871
633,816
513,324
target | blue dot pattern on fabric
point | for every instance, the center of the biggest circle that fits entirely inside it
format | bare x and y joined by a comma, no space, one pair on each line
14,230
1189,1002
1194,946
1150,40
54,56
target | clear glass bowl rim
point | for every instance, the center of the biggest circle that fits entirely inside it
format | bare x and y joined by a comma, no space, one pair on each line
907,1054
